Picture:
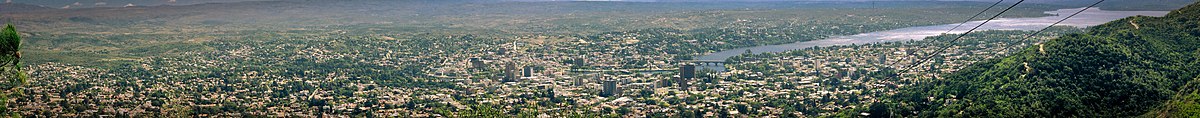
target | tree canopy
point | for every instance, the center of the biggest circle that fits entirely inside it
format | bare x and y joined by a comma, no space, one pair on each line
10,68
1123,68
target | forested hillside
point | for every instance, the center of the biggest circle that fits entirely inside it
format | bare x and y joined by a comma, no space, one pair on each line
1136,66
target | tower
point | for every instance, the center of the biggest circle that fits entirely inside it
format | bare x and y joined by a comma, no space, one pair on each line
578,80
502,51
579,63
883,58
683,83
687,71
510,72
477,63
527,71
610,88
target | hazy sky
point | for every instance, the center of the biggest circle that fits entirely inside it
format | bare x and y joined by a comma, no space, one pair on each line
116,3
119,3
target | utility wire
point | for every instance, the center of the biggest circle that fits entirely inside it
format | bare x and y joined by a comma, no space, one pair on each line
1044,29
973,17
960,24
1052,25
951,43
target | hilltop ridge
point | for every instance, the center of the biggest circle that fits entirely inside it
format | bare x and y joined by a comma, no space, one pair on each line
1126,67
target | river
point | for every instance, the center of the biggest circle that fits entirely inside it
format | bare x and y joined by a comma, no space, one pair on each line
1088,18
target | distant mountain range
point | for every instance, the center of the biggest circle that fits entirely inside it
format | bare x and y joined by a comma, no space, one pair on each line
19,7
1158,5
1108,5
116,3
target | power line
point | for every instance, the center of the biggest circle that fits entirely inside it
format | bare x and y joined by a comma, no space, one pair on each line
1006,48
1052,25
960,24
951,43
973,17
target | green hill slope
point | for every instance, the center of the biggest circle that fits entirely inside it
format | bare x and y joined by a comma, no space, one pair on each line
1186,104
1128,67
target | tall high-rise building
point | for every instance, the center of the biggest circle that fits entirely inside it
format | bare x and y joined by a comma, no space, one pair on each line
664,83
610,88
579,63
817,66
527,71
883,58
578,80
682,82
477,63
502,51
510,72
687,71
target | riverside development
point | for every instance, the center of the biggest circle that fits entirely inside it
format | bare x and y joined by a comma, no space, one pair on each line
577,59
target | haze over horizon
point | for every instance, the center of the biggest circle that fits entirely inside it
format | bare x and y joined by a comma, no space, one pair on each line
117,3
68,4
626,58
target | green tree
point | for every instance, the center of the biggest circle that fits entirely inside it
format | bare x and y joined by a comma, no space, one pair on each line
10,68
1116,69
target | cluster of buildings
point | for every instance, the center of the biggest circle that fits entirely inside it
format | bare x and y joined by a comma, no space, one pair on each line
353,76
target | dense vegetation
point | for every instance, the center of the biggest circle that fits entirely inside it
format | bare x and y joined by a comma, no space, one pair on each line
11,76
1123,68
409,57
864,69
1123,5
